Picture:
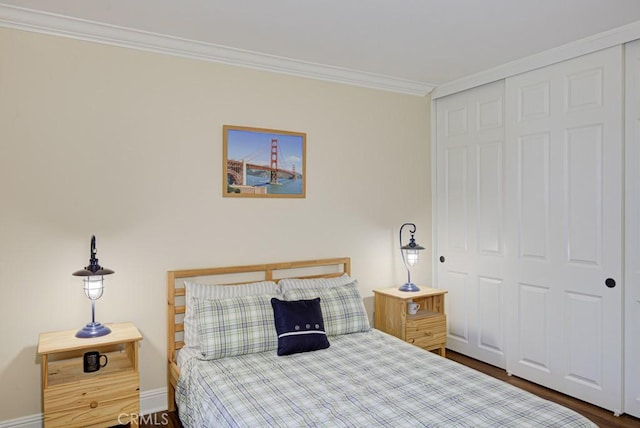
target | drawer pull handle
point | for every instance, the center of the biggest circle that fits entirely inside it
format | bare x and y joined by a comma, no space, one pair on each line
93,404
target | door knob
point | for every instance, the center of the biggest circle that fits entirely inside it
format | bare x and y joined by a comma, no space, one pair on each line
441,259
610,282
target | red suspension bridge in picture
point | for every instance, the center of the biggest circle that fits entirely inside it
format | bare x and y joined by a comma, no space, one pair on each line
237,170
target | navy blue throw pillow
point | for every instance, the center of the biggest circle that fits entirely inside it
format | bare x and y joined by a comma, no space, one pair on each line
299,325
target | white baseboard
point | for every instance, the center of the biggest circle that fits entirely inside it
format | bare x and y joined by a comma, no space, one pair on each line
33,421
152,401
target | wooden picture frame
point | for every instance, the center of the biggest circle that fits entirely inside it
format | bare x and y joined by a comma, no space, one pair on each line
263,163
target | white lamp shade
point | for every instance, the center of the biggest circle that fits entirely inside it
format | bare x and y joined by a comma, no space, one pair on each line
412,257
93,286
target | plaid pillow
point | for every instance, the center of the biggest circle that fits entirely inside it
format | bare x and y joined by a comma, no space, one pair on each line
215,291
235,326
286,284
342,307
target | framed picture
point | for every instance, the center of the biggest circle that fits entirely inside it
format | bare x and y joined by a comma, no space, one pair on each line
263,163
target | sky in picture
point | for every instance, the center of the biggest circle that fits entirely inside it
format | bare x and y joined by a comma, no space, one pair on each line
255,147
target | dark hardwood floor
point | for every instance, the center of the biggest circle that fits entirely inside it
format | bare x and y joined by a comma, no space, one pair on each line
603,418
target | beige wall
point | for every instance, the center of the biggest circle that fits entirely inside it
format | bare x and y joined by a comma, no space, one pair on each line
126,145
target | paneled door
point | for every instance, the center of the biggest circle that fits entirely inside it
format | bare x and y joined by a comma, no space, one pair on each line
470,257
632,231
564,166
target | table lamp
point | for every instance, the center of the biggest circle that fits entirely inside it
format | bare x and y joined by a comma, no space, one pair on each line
93,276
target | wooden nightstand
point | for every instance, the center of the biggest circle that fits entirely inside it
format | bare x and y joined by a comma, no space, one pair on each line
107,397
426,329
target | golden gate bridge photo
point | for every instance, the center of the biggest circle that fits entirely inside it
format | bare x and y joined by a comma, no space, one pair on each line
259,163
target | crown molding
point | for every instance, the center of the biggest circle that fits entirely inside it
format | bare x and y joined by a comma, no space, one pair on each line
59,25
606,39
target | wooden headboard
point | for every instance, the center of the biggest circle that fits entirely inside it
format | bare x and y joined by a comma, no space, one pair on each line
234,275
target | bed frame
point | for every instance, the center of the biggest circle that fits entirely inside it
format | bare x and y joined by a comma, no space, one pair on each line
234,275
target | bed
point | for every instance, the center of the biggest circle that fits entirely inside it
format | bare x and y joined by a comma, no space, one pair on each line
289,344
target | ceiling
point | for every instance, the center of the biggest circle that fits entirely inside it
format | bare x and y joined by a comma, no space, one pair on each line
424,43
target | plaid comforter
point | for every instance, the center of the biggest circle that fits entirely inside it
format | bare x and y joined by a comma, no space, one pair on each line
362,380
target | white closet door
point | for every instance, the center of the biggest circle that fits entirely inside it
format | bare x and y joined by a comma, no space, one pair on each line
564,169
470,220
632,231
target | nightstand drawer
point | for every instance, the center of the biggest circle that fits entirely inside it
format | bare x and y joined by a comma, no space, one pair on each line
429,343
426,332
426,323
90,392
100,416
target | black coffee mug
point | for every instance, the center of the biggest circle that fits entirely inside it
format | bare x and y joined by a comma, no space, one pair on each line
91,361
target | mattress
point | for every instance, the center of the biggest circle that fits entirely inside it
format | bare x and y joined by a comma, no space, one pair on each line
366,379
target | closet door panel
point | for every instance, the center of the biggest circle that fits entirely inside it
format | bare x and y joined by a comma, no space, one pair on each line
564,123
490,198
584,326
457,307
533,189
470,220
583,189
534,324
456,198
490,299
